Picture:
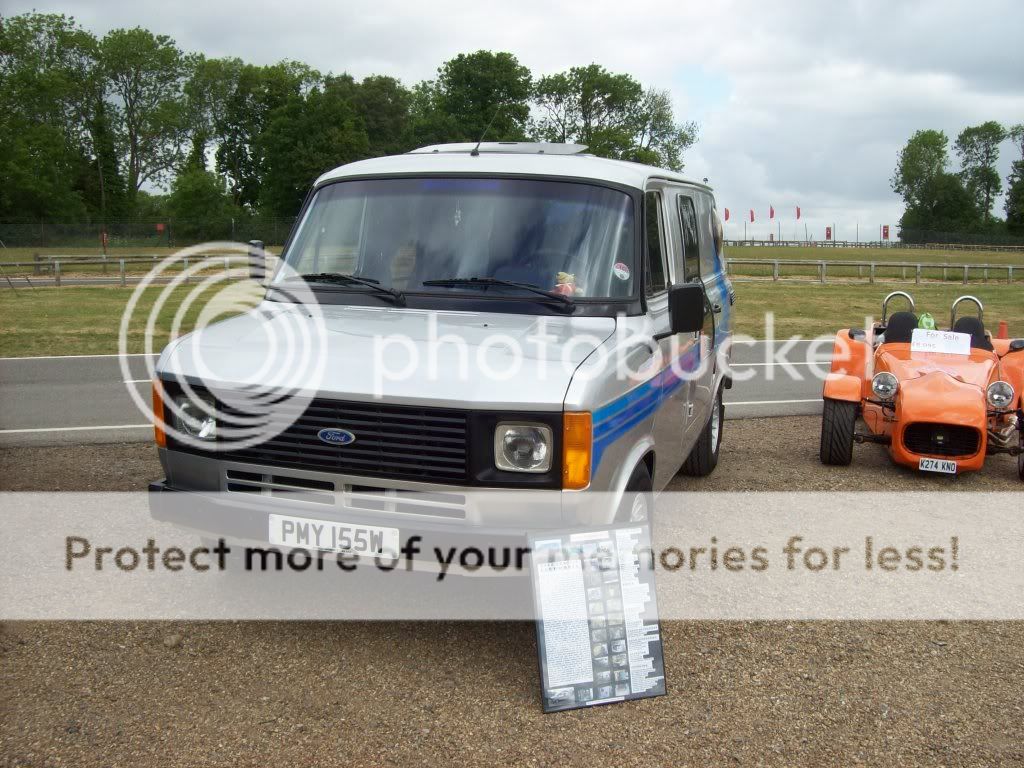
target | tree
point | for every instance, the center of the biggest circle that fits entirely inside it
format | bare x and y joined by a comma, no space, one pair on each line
47,63
303,138
944,204
146,73
920,162
258,92
1014,205
659,139
201,207
978,149
471,92
612,114
207,91
383,104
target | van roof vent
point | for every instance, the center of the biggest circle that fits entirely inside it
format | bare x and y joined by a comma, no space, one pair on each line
505,147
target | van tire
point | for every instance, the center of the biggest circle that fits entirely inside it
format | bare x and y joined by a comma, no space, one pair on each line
838,420
703,457
639,490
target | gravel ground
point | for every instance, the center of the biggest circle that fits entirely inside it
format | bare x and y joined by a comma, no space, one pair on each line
751,693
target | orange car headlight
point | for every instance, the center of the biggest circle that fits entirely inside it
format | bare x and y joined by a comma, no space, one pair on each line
577,446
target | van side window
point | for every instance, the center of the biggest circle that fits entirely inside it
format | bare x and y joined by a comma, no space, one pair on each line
655,265
710,235
691,243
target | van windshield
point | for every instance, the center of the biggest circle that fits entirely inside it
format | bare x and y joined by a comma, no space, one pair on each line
569,238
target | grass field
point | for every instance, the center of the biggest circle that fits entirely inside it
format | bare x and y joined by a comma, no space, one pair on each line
85,320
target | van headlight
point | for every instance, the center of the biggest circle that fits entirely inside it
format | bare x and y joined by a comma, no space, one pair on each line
999,395
884,385
194,419
522,447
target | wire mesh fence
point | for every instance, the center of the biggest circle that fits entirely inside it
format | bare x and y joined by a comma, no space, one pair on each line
146,232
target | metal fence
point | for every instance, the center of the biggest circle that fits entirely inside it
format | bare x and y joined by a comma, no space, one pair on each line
888,244
90,270
140,232
882,271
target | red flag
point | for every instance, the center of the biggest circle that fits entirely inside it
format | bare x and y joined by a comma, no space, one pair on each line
771,212
751,215
726,214
798,213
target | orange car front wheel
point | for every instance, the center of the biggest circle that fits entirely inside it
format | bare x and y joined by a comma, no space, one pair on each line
838,420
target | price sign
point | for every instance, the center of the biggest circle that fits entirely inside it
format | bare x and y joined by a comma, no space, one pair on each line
943,342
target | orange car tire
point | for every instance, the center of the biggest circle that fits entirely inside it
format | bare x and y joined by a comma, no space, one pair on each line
838,420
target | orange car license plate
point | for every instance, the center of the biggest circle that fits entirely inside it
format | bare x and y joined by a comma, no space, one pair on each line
937,465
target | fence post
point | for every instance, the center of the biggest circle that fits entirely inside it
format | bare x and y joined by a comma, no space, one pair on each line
124,278
966,267
56,272
1009,274
917,274
775,270
871,274
821,271
945,277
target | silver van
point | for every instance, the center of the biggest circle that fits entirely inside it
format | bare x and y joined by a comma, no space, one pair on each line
495,316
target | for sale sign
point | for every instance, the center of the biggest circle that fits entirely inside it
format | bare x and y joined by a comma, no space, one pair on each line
943,342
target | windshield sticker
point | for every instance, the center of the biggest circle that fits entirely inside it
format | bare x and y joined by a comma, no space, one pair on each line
620,270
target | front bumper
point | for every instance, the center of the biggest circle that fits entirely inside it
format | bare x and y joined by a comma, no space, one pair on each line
245,521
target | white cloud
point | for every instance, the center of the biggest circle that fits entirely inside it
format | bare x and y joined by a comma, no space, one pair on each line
800,102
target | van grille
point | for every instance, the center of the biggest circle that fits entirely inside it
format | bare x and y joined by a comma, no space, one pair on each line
399,442
941,439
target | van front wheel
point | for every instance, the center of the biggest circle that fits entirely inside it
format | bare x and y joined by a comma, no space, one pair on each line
703,457
637,505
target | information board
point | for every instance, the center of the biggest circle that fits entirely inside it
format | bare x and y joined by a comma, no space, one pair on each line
598,636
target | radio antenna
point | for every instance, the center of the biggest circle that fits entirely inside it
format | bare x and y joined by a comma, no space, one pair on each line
476,150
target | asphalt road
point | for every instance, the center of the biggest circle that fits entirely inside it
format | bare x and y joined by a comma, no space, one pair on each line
69,400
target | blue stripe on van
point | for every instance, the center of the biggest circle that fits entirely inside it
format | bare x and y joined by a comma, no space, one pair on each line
616,418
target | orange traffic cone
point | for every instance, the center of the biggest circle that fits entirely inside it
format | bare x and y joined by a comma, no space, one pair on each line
1004,331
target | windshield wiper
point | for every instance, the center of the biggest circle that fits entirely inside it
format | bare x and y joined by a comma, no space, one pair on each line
487,282
337,278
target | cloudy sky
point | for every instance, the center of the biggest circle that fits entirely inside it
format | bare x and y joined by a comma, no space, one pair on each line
799,103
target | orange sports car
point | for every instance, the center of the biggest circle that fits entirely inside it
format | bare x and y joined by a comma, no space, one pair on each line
940,400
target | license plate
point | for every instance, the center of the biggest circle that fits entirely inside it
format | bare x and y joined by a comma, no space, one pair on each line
332,536
938,465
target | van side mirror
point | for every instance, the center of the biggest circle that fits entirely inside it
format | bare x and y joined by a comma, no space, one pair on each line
686,305
257,261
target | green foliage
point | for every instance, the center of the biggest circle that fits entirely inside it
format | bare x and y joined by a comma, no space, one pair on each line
943,204
200,207
924,158
612,114
383,104
256,93
471,92
1014,205
46,66
91,129
146,73
305,137
978,149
